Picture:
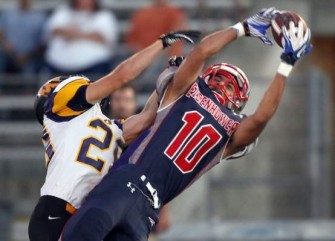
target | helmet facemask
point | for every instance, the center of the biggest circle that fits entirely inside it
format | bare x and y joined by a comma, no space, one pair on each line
231,76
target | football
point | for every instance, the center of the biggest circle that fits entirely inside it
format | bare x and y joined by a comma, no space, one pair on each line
283,19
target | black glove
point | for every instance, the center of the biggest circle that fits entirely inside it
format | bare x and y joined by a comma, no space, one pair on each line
176,61
188,35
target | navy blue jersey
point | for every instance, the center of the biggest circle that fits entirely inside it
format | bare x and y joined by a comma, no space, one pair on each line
129,150
187,139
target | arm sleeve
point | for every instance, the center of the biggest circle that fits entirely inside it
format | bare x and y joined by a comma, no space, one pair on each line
164,79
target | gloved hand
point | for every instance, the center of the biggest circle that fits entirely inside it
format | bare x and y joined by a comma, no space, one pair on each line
188,35
176,61
257,25
296,44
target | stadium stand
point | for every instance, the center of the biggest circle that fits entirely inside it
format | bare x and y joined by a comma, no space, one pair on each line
283,186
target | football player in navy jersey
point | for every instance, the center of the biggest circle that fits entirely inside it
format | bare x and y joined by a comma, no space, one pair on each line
81,143
196,127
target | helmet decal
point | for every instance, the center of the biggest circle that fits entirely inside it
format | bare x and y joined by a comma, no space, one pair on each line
42,96
49,86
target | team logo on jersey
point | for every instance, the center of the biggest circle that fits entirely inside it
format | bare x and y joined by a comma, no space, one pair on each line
130,185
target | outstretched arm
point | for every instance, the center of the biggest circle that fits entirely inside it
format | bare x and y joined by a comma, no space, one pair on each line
122,74
212,44
252,126
133,66
297,44
194,62
135,124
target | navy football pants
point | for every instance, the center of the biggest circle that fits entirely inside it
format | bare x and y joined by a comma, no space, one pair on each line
121,212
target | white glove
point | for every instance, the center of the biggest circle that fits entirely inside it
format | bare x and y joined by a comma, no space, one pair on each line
296,42
257,25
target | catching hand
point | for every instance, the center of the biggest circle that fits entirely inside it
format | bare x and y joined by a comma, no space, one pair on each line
188,35
257,25
296,44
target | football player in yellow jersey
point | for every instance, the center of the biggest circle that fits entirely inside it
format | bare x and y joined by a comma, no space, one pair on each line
81,143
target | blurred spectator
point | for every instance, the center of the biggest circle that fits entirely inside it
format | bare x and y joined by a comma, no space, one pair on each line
20,38
148,23
81,39
123,103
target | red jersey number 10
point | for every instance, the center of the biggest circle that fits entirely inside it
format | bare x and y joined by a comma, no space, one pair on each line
192,142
